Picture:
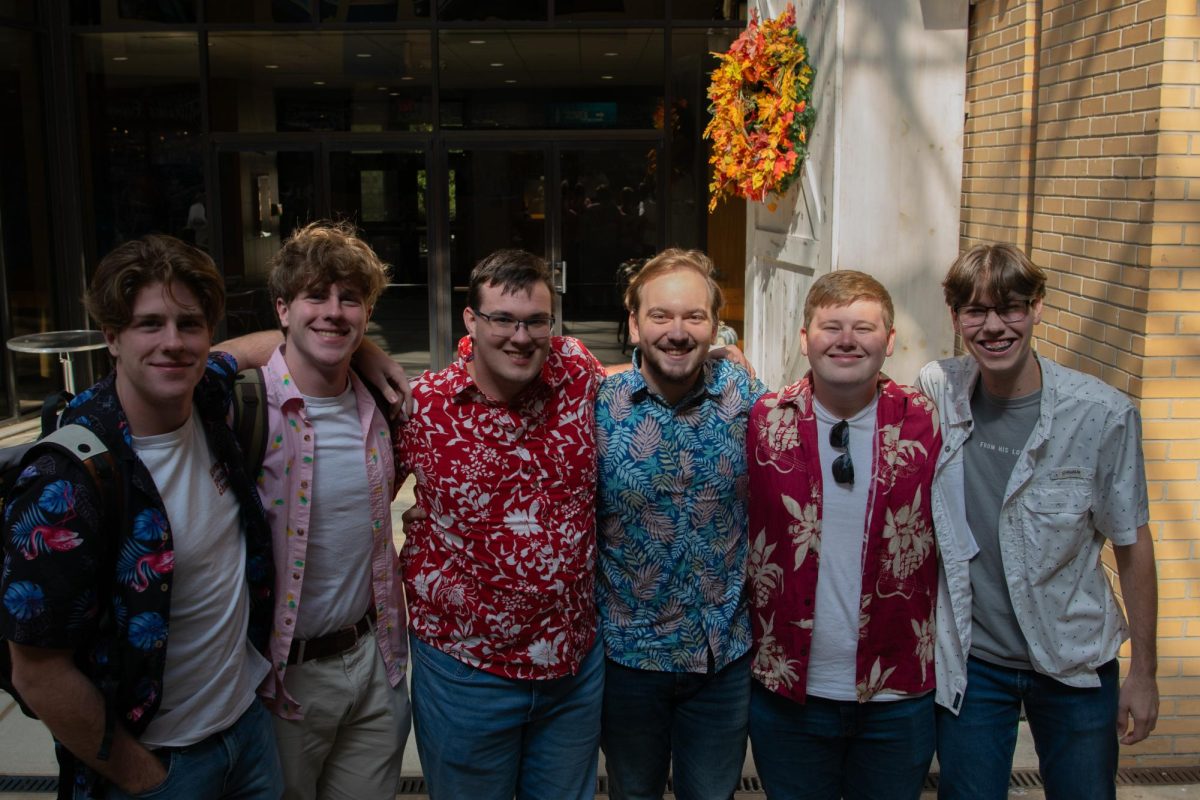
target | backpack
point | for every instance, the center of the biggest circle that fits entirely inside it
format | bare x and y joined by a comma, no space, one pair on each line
250,424
75,441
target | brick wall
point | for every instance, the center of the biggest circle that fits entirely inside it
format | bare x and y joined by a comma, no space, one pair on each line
1083,148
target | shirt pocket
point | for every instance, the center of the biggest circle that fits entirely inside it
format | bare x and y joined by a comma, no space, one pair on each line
1057,523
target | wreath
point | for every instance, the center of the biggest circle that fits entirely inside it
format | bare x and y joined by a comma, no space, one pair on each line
762,114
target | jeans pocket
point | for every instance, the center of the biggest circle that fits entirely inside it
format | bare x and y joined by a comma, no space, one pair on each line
445,666
163,788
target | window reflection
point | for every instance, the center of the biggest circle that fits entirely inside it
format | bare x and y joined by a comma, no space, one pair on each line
499,10
25,268
592,79
110,12
301,11
328,81
141,124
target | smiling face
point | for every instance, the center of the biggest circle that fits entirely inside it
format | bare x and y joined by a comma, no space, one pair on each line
160,355
322,329
673,329
846,347
505,364
1004,350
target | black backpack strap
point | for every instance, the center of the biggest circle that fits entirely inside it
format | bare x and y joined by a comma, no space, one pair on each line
250,419
52,407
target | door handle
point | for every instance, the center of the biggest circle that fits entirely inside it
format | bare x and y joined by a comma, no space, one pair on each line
559,272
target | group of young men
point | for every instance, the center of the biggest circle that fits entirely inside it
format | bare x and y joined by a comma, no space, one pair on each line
661,563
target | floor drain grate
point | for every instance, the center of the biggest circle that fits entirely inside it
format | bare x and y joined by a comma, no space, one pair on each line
28,783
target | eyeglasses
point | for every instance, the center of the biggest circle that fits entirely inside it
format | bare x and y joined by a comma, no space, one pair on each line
973,316
503,324
843,467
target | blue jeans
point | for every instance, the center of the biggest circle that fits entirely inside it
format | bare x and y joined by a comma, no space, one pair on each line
698,722
483,736
1074,732
826,749
239,762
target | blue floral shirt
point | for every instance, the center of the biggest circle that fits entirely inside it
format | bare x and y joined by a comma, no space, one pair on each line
672,521
66,585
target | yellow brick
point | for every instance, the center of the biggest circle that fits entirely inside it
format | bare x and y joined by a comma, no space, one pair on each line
1172,345
1172,551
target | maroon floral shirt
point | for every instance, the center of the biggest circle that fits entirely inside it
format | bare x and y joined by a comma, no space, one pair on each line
899,582
501,574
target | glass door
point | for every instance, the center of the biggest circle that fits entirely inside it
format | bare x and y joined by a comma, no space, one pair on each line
385,193
496,197
609,225
263,195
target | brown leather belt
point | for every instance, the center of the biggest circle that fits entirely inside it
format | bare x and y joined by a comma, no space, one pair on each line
331,644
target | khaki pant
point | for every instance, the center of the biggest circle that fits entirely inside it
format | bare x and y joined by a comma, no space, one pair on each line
351,741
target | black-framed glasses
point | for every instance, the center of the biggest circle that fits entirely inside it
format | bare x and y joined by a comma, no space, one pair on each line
538,327
843,467
973,316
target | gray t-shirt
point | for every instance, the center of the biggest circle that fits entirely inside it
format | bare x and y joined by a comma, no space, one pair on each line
999,433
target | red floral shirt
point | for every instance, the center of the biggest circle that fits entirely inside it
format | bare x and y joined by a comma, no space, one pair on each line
896,622
501,574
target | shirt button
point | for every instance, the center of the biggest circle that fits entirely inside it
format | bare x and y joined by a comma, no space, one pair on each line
947,448
303,484
295,576
307,438
300,531
164,587
287,621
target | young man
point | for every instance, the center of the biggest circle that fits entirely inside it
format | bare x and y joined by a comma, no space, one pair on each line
672,543
843,573
507,675
92,584
338,650
1052,462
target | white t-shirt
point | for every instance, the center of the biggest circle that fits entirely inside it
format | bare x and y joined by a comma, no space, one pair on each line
337,564
211,670
831,664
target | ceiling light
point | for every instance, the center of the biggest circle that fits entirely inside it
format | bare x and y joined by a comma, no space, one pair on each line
510,80
497,63
407,78
362,55
606,77
318,83
612,53
271,66
477,41
120,58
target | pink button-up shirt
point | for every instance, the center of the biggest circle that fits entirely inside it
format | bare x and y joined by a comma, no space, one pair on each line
285,486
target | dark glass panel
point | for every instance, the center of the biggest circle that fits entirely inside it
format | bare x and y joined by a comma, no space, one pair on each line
258,11
551,79
372,10
328,81
499,201
140,118
687,179
386,195
27,223
609,224
19,9
730,10
616,10
265,196
116,12
492,10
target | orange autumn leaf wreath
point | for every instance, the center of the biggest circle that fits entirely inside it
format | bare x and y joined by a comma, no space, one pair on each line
762,114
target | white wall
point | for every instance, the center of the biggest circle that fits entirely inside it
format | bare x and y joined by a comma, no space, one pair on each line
883,183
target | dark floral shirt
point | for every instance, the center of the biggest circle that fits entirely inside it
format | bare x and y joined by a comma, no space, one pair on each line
85,573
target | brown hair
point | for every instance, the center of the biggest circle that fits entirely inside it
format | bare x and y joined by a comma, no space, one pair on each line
152,259
996,270
671,260
845,286
324,253
513,270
